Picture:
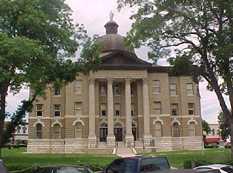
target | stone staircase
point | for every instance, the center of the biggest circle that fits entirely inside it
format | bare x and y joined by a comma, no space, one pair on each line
123,151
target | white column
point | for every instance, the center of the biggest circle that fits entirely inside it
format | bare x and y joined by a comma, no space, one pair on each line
92,135
129,136
146,113
111,137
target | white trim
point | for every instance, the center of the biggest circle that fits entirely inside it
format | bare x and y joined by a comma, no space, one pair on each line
78,121
192,120
158,120
56,122
38,122
175,121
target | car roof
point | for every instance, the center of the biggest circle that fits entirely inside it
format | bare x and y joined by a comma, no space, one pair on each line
214,166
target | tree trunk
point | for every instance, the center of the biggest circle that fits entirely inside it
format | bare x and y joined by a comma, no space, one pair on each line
3,94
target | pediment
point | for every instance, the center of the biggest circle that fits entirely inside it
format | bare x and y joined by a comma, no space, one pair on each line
123,58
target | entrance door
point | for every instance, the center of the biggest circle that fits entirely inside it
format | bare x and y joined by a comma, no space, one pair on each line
134,131
118,132
103,134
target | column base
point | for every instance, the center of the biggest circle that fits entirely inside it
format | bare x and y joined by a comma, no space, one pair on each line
147,140
129,141
92,142
111,141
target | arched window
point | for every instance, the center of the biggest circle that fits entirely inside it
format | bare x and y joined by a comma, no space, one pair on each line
56,131
175,130
38,131
78,130
191,129
158,129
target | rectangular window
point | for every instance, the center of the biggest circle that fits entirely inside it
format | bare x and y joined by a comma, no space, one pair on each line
191,108
78,87
103,109
173,90
103,89
156,87
117,109
116,89
57,110
78,108
174,109
57,91
189,89
157,108
39,110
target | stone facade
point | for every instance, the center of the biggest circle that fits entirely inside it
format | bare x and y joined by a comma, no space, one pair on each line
126,102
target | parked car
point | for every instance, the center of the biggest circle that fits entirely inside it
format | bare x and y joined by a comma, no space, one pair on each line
221,167
138,164
2,167
227,144
62,169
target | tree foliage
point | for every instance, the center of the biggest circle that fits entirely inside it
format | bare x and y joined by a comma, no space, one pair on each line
205,127
37,39
223,127
201,30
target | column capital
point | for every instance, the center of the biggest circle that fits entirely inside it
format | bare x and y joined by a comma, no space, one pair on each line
128,80
109,80
91,80
145,80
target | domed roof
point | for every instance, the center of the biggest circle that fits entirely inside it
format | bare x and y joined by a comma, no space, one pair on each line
112,40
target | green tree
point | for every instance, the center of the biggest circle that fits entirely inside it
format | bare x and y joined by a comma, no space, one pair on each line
223,127
200,31
205,127
36,37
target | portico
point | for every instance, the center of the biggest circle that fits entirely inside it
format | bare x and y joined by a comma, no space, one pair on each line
119,123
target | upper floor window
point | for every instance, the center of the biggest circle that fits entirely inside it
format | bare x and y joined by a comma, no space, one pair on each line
78,108
157,108
117,89
39,110
57,110
117,108
174,109
103,109
57,91
189,89
191,108
173,89
78,87
103,90
156,87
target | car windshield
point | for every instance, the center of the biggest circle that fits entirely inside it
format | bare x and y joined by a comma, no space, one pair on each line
150,165
228,169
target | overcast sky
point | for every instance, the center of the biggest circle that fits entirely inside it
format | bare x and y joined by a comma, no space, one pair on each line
94,14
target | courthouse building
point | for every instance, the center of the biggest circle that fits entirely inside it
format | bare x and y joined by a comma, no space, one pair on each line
127,102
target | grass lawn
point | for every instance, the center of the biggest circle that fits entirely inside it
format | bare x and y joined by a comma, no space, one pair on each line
177,158
16,159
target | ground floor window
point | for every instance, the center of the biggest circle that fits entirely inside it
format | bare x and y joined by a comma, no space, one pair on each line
78,130
175,130
38,131
56,131
191,129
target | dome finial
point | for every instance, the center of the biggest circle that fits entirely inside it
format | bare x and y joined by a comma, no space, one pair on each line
111,16
111,26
